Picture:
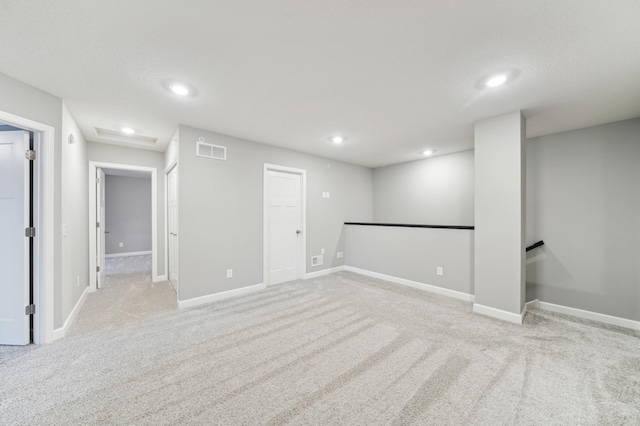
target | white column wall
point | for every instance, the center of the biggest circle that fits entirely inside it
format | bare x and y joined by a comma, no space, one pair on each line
500,217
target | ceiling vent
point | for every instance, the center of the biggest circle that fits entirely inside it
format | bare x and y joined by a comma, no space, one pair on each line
208,150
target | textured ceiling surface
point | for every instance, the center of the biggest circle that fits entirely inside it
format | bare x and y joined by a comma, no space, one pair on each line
396,77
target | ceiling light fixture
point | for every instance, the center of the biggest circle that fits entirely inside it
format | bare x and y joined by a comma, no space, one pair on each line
496,80
428,152
337,139
179,89
128,131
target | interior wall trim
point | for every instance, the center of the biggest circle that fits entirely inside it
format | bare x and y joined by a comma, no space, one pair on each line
323,272
131,253
421,286
61,332
209,298
588,315
500,314
409,225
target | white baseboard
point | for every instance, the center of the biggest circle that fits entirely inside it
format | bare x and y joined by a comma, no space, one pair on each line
532,304
323,272
500,314
159,278
421,286
131,253
589,315
196,301
59,333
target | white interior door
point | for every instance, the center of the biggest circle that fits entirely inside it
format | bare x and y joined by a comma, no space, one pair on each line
172,222
284,226
14,246
100,227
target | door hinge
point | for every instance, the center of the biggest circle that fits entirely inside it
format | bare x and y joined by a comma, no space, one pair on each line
30,154
97,180
30,232
97,269
97,224
30,309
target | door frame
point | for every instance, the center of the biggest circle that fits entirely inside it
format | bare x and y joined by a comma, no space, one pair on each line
93,166
99,218
44,211
168,170
302,260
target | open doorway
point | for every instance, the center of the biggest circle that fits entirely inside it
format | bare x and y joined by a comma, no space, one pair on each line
123,221
26,231
124,207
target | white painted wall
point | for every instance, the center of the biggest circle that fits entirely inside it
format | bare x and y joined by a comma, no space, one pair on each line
127,214
500,213
220,205
138,157
583,191
433,191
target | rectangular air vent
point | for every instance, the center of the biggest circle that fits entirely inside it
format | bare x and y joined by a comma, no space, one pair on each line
317,260
208,150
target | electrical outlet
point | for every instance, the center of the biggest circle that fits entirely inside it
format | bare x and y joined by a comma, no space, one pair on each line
120,244
229,273
322,251
439,271
340,254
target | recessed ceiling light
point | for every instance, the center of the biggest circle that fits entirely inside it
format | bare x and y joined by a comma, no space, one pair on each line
337,139
496,80
179,89
128,130
428,152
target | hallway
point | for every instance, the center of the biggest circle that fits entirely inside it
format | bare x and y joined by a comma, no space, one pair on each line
125,298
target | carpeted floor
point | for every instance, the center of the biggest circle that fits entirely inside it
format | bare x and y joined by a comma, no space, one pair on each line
338,350
128,264
124,298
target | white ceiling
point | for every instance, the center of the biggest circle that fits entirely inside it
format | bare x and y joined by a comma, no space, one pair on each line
394,76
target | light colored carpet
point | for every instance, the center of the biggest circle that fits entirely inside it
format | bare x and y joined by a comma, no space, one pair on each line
128,264
342,349
124,298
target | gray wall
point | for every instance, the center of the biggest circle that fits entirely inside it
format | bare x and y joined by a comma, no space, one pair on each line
75,215
138,157
582,199
26,101
584,202
220,210
413,254
127,214
433,191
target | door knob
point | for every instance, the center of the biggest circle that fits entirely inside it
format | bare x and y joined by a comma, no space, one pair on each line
298,231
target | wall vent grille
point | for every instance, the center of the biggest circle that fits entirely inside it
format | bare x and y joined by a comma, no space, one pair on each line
317,260
208,150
